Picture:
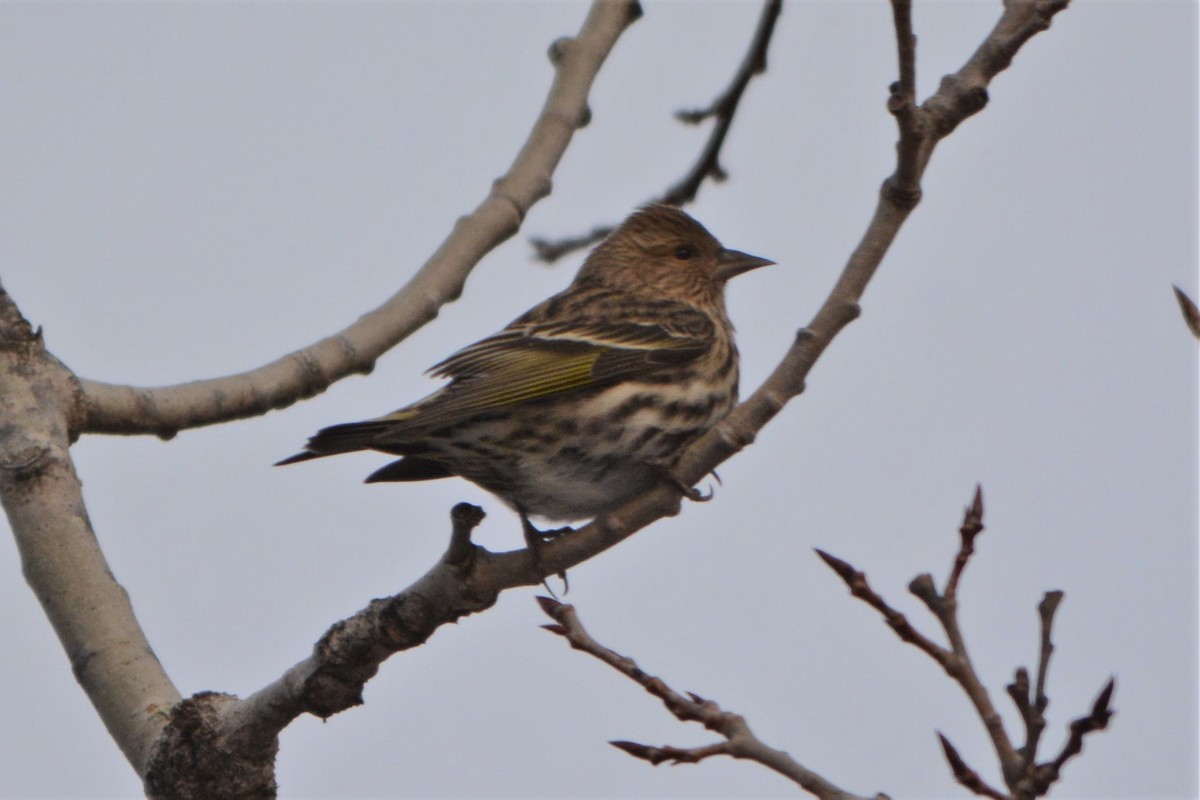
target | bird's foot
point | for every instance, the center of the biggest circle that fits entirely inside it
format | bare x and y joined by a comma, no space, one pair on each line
667,474
533,534
535,539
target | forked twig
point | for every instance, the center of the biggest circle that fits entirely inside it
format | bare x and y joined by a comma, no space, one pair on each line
738,740
1023,776
708,164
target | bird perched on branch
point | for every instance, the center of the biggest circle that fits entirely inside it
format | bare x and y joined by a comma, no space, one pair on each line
588,398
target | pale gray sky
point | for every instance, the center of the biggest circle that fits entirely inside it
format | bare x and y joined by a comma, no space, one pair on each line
188,190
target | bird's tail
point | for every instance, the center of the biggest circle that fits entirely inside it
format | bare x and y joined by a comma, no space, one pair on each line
345,438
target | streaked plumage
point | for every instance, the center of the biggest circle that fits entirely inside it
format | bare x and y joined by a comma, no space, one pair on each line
583,401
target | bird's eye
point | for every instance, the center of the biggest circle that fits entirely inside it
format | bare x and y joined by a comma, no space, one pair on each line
684,252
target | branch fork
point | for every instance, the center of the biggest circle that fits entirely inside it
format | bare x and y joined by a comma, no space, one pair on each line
1024,777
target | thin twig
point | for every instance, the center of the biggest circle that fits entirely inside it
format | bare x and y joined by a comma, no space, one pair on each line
856,581
1023,778
1097,720
1019,691
739,740
1031,701
723,109
464,518
550,250
972,526
966,776
902,103
955,660
1046,610
708,164
1191,315
1045,775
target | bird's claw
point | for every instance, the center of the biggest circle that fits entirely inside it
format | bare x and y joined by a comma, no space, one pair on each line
688,491
534,540
554,533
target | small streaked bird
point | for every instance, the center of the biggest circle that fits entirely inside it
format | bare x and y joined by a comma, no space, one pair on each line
588,398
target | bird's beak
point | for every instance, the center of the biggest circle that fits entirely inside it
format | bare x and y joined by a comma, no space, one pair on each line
731,263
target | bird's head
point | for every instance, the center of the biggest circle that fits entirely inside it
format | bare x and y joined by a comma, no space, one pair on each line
660,250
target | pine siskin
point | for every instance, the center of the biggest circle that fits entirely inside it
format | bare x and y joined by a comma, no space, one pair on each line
588,398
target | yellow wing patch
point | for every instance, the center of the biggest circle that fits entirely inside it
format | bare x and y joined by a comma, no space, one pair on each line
525,365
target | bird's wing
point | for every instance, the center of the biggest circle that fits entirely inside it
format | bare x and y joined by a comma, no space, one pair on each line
677,336
535,361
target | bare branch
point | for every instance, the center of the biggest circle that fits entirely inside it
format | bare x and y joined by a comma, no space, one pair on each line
1032,702
464,518
1046,610
163,411
961,94
60,556
673,755
1021,775
739,740
1043,776
549,251
1097,720
902,103
945,110
1191,315
971,527
966,776
906,47
708,165
856,581
955,660
245,731
723,109
1034,721
964,93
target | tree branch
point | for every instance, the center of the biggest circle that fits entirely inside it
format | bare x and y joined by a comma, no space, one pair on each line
1191,314
1044,775
164,411
967,777
857,583
739,740
902,105
708,165
1024,777
955,661
739,429
723,109
1033,708
62,560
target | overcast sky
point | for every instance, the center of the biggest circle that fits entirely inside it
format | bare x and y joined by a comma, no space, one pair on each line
189,190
